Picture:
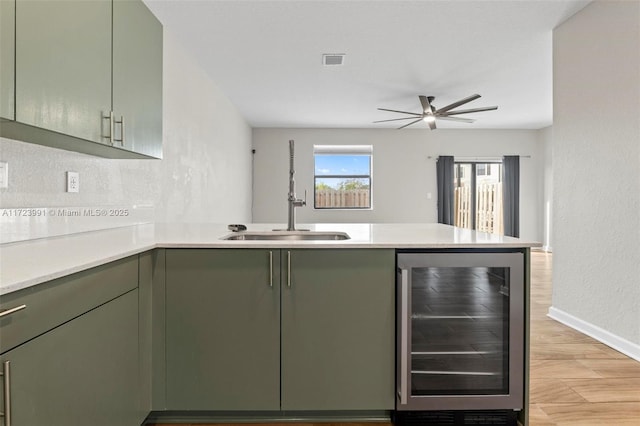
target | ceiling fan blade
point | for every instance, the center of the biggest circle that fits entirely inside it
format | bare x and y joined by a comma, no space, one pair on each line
457,104
467,111
432,124
426,105
401,112
460,119
407,125
394,119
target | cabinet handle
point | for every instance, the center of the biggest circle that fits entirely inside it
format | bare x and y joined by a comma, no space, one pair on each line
7,394
289,269
122,135
112,127
12,310
404,336
270,269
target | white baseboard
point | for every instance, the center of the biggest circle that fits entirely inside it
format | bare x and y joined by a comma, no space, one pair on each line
616,342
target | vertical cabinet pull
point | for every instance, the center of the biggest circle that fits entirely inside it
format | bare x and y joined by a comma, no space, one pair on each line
270,268
7,393
111,137
122,134
289,269
112,127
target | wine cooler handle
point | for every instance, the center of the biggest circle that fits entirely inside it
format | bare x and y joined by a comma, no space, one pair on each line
404,336
270,268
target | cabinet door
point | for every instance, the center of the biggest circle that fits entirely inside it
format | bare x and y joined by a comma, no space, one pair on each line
63,66
338,329
83,372
137,77
223,329
7,57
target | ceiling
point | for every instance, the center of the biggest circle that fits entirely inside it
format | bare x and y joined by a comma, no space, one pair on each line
266,56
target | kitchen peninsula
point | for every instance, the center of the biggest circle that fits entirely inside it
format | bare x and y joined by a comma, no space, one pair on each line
240,329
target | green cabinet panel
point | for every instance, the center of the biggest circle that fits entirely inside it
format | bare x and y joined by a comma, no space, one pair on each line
338,346
63,66
55,302
7,58
88,76
82,372
137,77
280,330
222,330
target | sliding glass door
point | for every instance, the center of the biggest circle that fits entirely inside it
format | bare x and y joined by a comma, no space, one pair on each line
478,196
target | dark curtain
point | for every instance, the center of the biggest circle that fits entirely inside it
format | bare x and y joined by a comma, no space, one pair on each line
445,171
511,194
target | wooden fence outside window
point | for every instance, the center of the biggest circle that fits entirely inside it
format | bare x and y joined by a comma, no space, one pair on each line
336,198
489,216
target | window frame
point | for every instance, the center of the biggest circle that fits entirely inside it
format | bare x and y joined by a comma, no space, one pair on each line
344,150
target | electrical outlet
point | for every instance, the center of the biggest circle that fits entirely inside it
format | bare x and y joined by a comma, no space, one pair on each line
4,174
73,182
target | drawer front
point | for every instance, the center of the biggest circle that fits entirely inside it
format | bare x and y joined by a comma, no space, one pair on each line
55,302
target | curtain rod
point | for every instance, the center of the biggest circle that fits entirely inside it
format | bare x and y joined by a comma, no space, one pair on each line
496,158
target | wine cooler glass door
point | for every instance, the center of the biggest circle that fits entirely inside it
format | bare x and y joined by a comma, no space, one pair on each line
461,330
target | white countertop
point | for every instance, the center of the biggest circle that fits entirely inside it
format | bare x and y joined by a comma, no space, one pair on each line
27,263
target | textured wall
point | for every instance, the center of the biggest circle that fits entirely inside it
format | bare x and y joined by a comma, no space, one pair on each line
546,140
403,173
596,167
205,175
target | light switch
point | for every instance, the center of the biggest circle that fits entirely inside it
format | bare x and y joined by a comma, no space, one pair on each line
73,182
4,174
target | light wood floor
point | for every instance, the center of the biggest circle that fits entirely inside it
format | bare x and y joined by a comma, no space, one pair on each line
575,380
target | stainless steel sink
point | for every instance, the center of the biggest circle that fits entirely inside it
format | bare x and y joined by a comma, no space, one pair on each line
288,236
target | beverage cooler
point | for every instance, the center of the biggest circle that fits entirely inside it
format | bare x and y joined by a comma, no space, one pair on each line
460,348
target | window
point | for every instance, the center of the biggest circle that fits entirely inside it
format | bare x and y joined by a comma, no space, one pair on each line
342,177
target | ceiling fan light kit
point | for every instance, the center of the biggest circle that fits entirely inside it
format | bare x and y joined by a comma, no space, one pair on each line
430,113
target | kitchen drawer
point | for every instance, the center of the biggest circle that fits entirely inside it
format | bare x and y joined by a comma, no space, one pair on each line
53,303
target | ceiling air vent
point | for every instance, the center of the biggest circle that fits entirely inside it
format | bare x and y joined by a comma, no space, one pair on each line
333,59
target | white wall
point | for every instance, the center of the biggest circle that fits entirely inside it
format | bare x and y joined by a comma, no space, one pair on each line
205,175
206,171
546,141
596,172
403,173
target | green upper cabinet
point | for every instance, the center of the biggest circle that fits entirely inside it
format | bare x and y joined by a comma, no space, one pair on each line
88,77
7,58
137,77
63,66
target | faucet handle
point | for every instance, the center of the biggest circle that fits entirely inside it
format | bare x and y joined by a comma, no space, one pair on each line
304,202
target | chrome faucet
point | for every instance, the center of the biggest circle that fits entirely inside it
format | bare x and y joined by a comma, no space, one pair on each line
293,201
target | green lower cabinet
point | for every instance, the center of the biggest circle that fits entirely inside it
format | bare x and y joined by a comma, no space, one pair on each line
223,330
338,330
271,330
83,372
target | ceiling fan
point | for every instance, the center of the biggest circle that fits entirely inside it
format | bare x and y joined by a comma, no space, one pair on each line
430,113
